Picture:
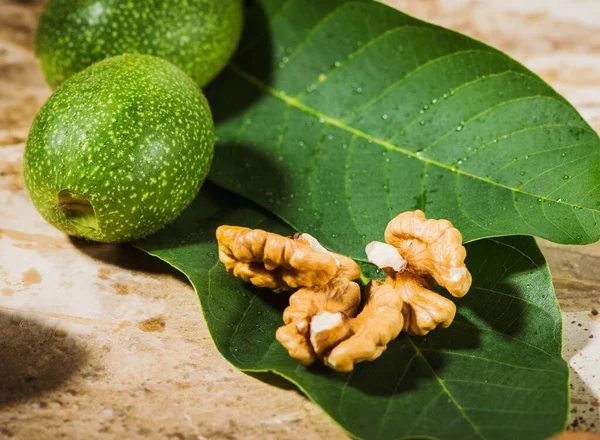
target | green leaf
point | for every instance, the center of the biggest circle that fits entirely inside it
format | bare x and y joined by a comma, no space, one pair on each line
337,115
495,373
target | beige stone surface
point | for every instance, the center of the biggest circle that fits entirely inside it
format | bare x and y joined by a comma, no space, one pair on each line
102,341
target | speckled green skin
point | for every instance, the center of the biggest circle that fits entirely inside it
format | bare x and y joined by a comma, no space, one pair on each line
133,134
199,36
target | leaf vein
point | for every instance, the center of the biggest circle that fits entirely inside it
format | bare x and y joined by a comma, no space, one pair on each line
535,153
335,122
520,131
460,409
489,110
409,74
518,367
515,297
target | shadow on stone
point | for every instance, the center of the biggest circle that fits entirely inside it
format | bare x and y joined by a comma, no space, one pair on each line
34,358
274,380
126,256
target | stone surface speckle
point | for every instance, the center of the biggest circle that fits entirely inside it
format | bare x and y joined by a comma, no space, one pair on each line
102,341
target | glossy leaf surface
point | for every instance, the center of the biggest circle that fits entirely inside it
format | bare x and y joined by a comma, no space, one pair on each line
337,115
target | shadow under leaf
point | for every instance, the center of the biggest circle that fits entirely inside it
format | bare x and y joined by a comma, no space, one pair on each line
258,62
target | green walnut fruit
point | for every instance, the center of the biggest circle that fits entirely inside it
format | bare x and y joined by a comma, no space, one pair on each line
199,36
120,149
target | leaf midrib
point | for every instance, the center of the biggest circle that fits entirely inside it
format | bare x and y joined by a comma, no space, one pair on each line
445,390
293,102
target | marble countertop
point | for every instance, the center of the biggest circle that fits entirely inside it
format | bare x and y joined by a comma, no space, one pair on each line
102,341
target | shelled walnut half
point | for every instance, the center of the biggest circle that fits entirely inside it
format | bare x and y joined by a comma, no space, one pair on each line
269,260
433,252
417,254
